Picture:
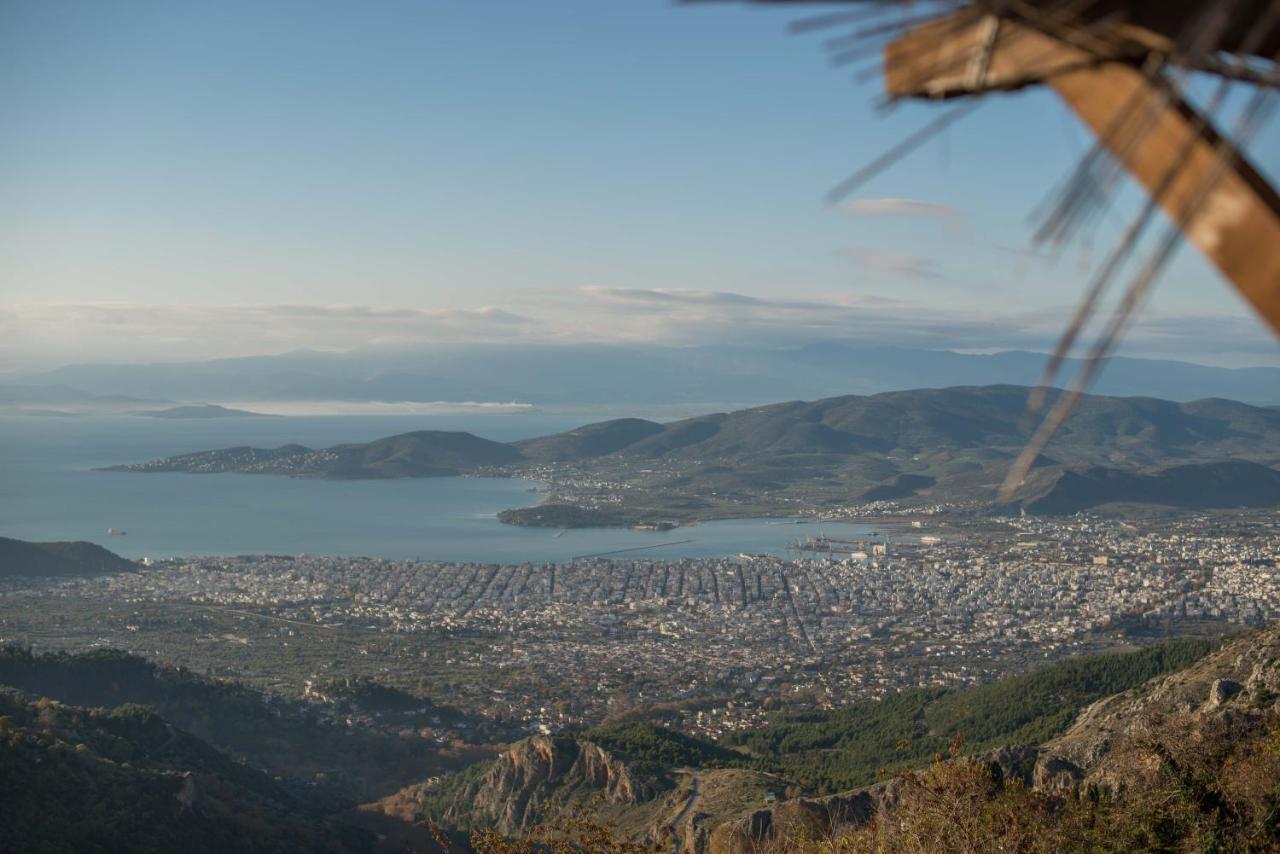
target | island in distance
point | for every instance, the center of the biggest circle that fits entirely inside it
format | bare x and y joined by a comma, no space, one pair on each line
203,410
919,447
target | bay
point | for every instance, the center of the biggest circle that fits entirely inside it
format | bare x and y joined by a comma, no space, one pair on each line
49,490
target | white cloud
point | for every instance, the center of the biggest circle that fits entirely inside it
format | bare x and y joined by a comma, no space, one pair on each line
35,333
37,336
691,317
893,206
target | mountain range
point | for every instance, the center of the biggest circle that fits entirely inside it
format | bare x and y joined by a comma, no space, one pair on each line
920,446
1136,751
596,375
1102,752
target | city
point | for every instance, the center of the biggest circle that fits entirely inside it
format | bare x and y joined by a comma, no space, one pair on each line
707,645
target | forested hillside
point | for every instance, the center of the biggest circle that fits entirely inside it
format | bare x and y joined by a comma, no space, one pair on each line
645,770
850,746
76,779
272,733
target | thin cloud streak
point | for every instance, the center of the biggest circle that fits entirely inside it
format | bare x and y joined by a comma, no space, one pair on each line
894,206
37,333
46,335
895,263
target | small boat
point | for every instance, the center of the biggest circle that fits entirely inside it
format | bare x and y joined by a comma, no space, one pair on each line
113,532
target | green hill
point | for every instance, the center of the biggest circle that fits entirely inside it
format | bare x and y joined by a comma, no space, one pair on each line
646,742
922,446
19,557
272,733
593,440
836,750
928,420
849,746
426,453
77,779
643,780
935,445
1234,483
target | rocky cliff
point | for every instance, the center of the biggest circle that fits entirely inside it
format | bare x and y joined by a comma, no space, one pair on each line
540,770
1239,682
1134,746
1121,746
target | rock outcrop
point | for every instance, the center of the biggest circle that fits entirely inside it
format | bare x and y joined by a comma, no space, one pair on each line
1239,682
1242,678
730,811
542,769
801,818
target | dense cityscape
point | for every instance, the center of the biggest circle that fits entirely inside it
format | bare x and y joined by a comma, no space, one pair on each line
711,644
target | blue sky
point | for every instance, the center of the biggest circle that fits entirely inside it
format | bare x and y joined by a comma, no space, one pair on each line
473,162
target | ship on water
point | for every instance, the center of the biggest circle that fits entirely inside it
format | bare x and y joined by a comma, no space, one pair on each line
116,532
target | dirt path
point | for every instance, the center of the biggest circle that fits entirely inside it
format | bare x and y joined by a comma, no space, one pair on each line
695,792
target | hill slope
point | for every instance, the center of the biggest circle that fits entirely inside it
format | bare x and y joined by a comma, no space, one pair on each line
74,779
427,453
19,557
274,734
1234,483
641,778
923,446
836,750
1188,761
1134,430
931,446
1240,680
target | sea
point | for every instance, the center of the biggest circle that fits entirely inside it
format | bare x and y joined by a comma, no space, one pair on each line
50,489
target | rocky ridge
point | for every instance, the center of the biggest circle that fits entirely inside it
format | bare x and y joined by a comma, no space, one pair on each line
511,795
1240,680
724,811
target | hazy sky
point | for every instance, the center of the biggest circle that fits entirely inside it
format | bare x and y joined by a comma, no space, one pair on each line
185,180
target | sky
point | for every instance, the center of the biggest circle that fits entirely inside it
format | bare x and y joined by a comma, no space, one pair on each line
195,180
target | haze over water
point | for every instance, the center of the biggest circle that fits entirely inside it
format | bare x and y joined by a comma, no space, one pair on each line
50,491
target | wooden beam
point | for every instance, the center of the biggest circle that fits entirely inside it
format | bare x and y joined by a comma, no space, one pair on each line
1237,226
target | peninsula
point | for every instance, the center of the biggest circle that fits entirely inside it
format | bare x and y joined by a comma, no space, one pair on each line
940,448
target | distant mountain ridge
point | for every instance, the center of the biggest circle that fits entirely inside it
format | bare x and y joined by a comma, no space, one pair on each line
921,445
206,410
926,420
599,374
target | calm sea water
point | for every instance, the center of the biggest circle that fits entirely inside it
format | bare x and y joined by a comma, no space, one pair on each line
49,491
